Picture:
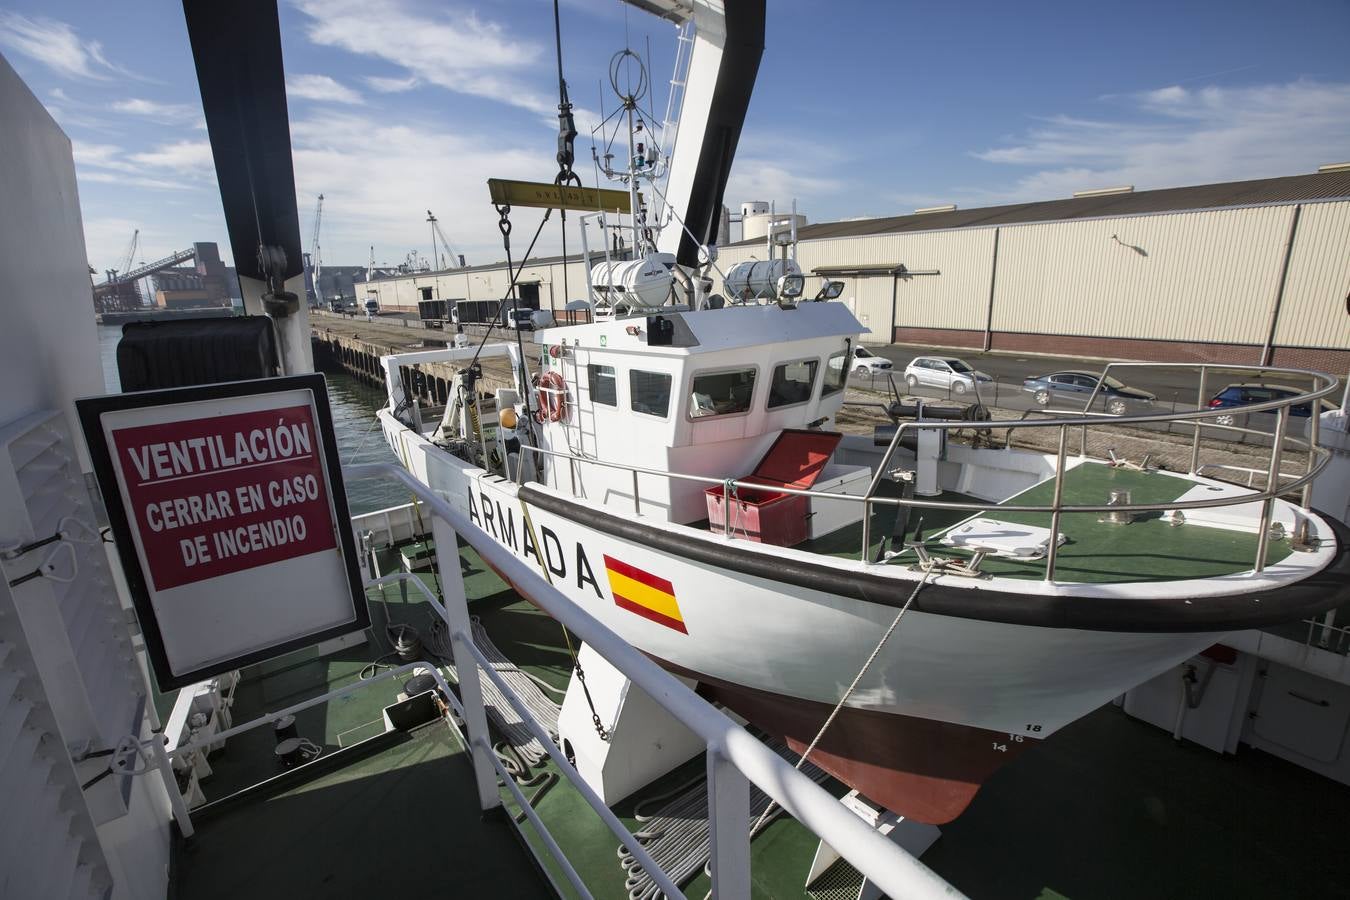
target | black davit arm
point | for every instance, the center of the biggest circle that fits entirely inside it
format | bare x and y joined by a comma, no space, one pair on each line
237,49
738,68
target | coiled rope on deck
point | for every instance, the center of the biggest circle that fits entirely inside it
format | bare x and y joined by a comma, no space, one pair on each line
501,714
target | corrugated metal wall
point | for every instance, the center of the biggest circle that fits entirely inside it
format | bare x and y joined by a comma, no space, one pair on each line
481,284
1207,276
959,296
1203,276
1313,313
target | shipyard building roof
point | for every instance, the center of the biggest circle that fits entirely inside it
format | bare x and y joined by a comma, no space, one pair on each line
1288,189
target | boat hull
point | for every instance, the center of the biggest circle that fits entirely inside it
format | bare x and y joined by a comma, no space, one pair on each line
946,702
926,770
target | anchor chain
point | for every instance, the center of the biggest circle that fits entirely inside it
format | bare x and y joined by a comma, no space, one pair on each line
600,728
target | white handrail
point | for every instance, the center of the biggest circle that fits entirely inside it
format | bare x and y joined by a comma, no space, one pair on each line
893,870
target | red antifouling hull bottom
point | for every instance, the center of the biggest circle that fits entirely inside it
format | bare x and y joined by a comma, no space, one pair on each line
924,770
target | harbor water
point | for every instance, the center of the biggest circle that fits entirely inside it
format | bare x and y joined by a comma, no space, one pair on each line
358,436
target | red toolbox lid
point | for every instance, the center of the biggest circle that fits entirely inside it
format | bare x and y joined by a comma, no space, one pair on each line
797,457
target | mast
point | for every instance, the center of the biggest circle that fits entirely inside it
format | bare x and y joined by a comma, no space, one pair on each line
632,183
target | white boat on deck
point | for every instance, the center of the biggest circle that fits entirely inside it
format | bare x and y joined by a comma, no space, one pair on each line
618,497
674,467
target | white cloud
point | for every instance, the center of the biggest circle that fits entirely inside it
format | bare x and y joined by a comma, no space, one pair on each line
154,110
189,158
321,88
762,179
1179,136
812,176
392,85
160,184
170,167
1174,94
458,52
377,190
101,156
55,45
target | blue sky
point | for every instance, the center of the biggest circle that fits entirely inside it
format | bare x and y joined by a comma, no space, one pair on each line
861,108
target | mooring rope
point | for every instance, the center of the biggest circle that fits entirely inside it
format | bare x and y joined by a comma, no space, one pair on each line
502,715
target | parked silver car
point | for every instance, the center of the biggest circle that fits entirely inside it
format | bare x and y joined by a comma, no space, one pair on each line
946,373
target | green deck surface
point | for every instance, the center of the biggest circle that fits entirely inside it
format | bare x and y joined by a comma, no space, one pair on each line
401,823
1148,549
1110,807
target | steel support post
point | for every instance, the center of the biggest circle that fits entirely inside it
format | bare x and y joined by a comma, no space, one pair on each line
1198,424
176,801
728,829
470,689
1272,488
1052,551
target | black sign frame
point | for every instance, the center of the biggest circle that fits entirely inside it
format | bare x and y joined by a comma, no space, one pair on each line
91,411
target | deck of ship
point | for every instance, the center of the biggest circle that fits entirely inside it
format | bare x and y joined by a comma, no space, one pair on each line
1148,549
1110,807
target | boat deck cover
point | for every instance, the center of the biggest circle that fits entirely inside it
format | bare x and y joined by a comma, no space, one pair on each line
1147,549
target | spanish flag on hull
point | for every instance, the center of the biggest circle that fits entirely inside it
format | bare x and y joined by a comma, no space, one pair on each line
641,592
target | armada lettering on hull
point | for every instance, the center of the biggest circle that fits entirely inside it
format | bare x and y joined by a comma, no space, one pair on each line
500,522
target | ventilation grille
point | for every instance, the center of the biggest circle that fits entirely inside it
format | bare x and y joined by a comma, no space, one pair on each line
48,846
73,619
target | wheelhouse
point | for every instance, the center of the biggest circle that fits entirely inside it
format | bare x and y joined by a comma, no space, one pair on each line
694,394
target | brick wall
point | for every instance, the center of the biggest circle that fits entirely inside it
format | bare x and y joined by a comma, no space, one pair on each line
940,337
1335,362
1128,348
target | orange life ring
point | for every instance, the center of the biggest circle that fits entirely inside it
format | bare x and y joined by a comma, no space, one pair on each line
552,396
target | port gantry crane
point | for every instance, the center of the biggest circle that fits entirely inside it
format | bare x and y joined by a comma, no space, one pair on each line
456,259
314,259
120,290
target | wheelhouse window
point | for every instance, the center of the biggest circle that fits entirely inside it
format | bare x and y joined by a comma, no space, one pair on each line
649,392
836,372
721,393
792,383
604,388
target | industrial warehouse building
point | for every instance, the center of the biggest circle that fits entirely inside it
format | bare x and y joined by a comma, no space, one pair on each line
1251,272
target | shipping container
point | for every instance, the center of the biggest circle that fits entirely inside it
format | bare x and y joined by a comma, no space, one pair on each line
433,313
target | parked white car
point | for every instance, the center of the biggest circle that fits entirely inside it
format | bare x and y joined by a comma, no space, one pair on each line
946,373
865,362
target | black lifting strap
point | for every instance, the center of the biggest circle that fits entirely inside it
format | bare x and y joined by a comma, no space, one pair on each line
504,226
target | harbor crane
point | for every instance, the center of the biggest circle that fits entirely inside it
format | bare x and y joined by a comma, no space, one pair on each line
120,291
456,259
314,259
130,256
128,260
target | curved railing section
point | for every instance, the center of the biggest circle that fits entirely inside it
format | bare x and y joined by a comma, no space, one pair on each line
1277,482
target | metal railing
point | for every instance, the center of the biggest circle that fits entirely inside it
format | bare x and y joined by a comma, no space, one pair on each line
735,758
1277,481
1324,635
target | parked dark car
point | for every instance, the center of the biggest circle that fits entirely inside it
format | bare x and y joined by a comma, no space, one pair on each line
1116,397
1236,395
